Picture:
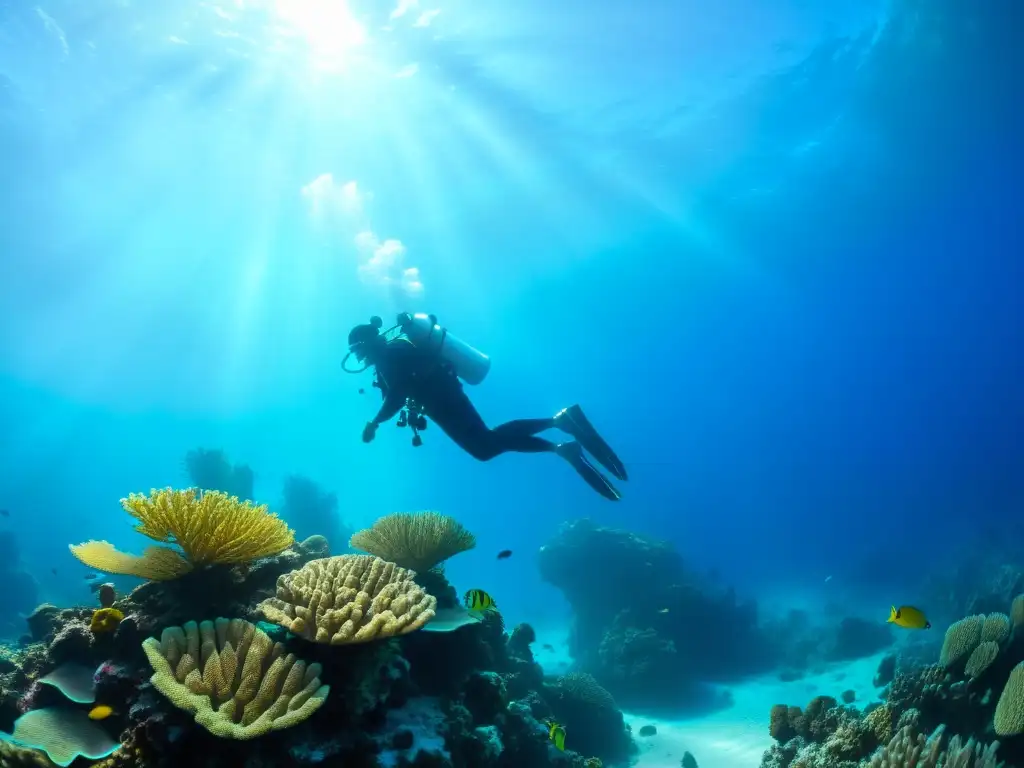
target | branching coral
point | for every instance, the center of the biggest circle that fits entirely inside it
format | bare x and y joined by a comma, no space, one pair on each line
209,528
349,599
237,682
418,541
909,749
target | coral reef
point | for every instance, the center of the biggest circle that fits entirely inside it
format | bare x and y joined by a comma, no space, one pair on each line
185,670
974,693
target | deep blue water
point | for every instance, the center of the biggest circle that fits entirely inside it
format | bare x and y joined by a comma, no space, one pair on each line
773,248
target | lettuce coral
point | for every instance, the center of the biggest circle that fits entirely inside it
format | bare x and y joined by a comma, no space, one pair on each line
237,682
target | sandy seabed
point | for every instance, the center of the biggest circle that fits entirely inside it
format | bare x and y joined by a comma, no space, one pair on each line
735,737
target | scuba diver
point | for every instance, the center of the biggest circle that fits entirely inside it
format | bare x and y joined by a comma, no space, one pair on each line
418,367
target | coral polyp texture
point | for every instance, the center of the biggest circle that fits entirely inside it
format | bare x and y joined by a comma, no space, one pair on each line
349,599
418,541
237,682
208,528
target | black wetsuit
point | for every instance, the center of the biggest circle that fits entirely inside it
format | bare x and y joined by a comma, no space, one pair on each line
406,372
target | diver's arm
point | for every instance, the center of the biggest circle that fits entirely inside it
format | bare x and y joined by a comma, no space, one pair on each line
392,405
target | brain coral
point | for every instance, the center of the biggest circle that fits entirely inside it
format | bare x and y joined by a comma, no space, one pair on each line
349,599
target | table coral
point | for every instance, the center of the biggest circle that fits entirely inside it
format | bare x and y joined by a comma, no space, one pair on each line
237,682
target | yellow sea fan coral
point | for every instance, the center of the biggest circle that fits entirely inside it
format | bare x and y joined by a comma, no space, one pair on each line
349,599
237,682
418,541
209,528
105,620
155,563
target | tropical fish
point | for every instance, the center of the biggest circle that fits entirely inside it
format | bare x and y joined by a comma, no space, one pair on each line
100,712
908,617
505,554
478,601
556,733
648,730
663,610
91,576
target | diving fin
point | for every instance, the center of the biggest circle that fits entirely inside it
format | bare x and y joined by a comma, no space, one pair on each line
573,453
573,422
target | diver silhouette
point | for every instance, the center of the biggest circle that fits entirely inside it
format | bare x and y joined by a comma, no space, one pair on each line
418,366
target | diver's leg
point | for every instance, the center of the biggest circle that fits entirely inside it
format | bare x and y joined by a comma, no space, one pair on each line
573,453
573,422
453,411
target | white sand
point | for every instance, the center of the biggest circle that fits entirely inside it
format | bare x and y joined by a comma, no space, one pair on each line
730,738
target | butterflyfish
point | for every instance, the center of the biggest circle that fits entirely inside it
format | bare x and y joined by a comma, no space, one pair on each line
908,617
478,601
556,733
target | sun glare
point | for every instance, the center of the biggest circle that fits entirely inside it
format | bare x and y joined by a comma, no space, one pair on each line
328,26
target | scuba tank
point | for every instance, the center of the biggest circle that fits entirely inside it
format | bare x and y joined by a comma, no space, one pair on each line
470,364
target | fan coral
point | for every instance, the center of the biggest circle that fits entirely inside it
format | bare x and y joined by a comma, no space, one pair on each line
349,599
237,682
418,541
209,528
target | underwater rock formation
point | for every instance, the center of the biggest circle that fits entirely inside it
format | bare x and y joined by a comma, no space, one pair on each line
21,590
210,470
646,627
310,510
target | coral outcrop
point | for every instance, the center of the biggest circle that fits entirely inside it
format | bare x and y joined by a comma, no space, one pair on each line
636,607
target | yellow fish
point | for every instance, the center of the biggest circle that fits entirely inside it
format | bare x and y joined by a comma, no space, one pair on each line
479,601
556,733
908,617
100,712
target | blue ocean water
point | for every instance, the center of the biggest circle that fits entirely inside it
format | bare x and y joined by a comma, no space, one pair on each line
773,249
